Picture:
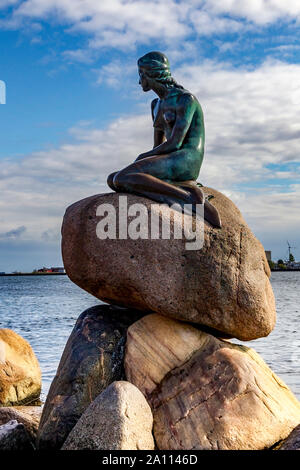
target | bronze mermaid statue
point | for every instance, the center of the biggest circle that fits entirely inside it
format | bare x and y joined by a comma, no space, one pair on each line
168,172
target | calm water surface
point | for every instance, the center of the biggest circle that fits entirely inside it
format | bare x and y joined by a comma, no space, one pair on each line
44,309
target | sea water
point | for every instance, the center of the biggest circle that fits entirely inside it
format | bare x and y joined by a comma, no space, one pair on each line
44,309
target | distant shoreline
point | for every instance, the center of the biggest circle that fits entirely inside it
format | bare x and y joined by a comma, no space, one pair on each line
33,274
284,270
64,274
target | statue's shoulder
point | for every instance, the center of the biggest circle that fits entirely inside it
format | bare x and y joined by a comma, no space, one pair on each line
186,98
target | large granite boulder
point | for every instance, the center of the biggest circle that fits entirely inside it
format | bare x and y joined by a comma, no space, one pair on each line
224,285
20,373
215,395
92,359
118,419
29,416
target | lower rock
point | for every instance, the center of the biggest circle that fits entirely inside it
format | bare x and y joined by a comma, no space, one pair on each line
29,416
13,436
155,345
216,396
119,419
92,359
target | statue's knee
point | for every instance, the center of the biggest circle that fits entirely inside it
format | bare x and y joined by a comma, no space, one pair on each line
118,180
110,180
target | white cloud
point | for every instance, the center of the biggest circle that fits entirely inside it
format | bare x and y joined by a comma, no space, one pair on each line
206,23
253,111
258,11
36,190
116,73
123,24
252,119
83,56
113,23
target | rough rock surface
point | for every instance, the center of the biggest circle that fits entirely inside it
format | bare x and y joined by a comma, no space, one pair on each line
13,436
92,359
293,441
221,396
118,419
28,415
225,285
155,345
20,374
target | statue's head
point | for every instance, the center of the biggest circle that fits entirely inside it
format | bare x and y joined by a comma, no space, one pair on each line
154,66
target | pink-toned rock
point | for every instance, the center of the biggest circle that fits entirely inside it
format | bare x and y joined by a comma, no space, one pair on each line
155,345
225,285
206,393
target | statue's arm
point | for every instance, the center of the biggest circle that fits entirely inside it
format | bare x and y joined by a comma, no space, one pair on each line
159,135
184,115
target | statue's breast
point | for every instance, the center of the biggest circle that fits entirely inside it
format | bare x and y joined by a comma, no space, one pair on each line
164,115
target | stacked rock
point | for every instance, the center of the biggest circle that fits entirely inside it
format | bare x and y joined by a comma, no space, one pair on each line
158,359
224,285
206,393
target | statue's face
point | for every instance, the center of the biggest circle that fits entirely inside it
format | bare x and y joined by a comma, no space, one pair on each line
144,80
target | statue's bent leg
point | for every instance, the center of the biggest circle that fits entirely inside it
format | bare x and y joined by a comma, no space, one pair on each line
149,186
149,177
153,177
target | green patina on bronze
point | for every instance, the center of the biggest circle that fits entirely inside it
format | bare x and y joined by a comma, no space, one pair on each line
168,172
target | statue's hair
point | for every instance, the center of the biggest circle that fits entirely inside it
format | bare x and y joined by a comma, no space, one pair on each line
157,67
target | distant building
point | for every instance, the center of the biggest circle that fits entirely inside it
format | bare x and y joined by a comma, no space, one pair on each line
268,255
58,270
294,264
44,270
53,270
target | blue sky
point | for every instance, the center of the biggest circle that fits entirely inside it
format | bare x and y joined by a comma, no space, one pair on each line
74,111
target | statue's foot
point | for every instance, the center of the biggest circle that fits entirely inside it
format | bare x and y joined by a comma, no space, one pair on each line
190,186
211,214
